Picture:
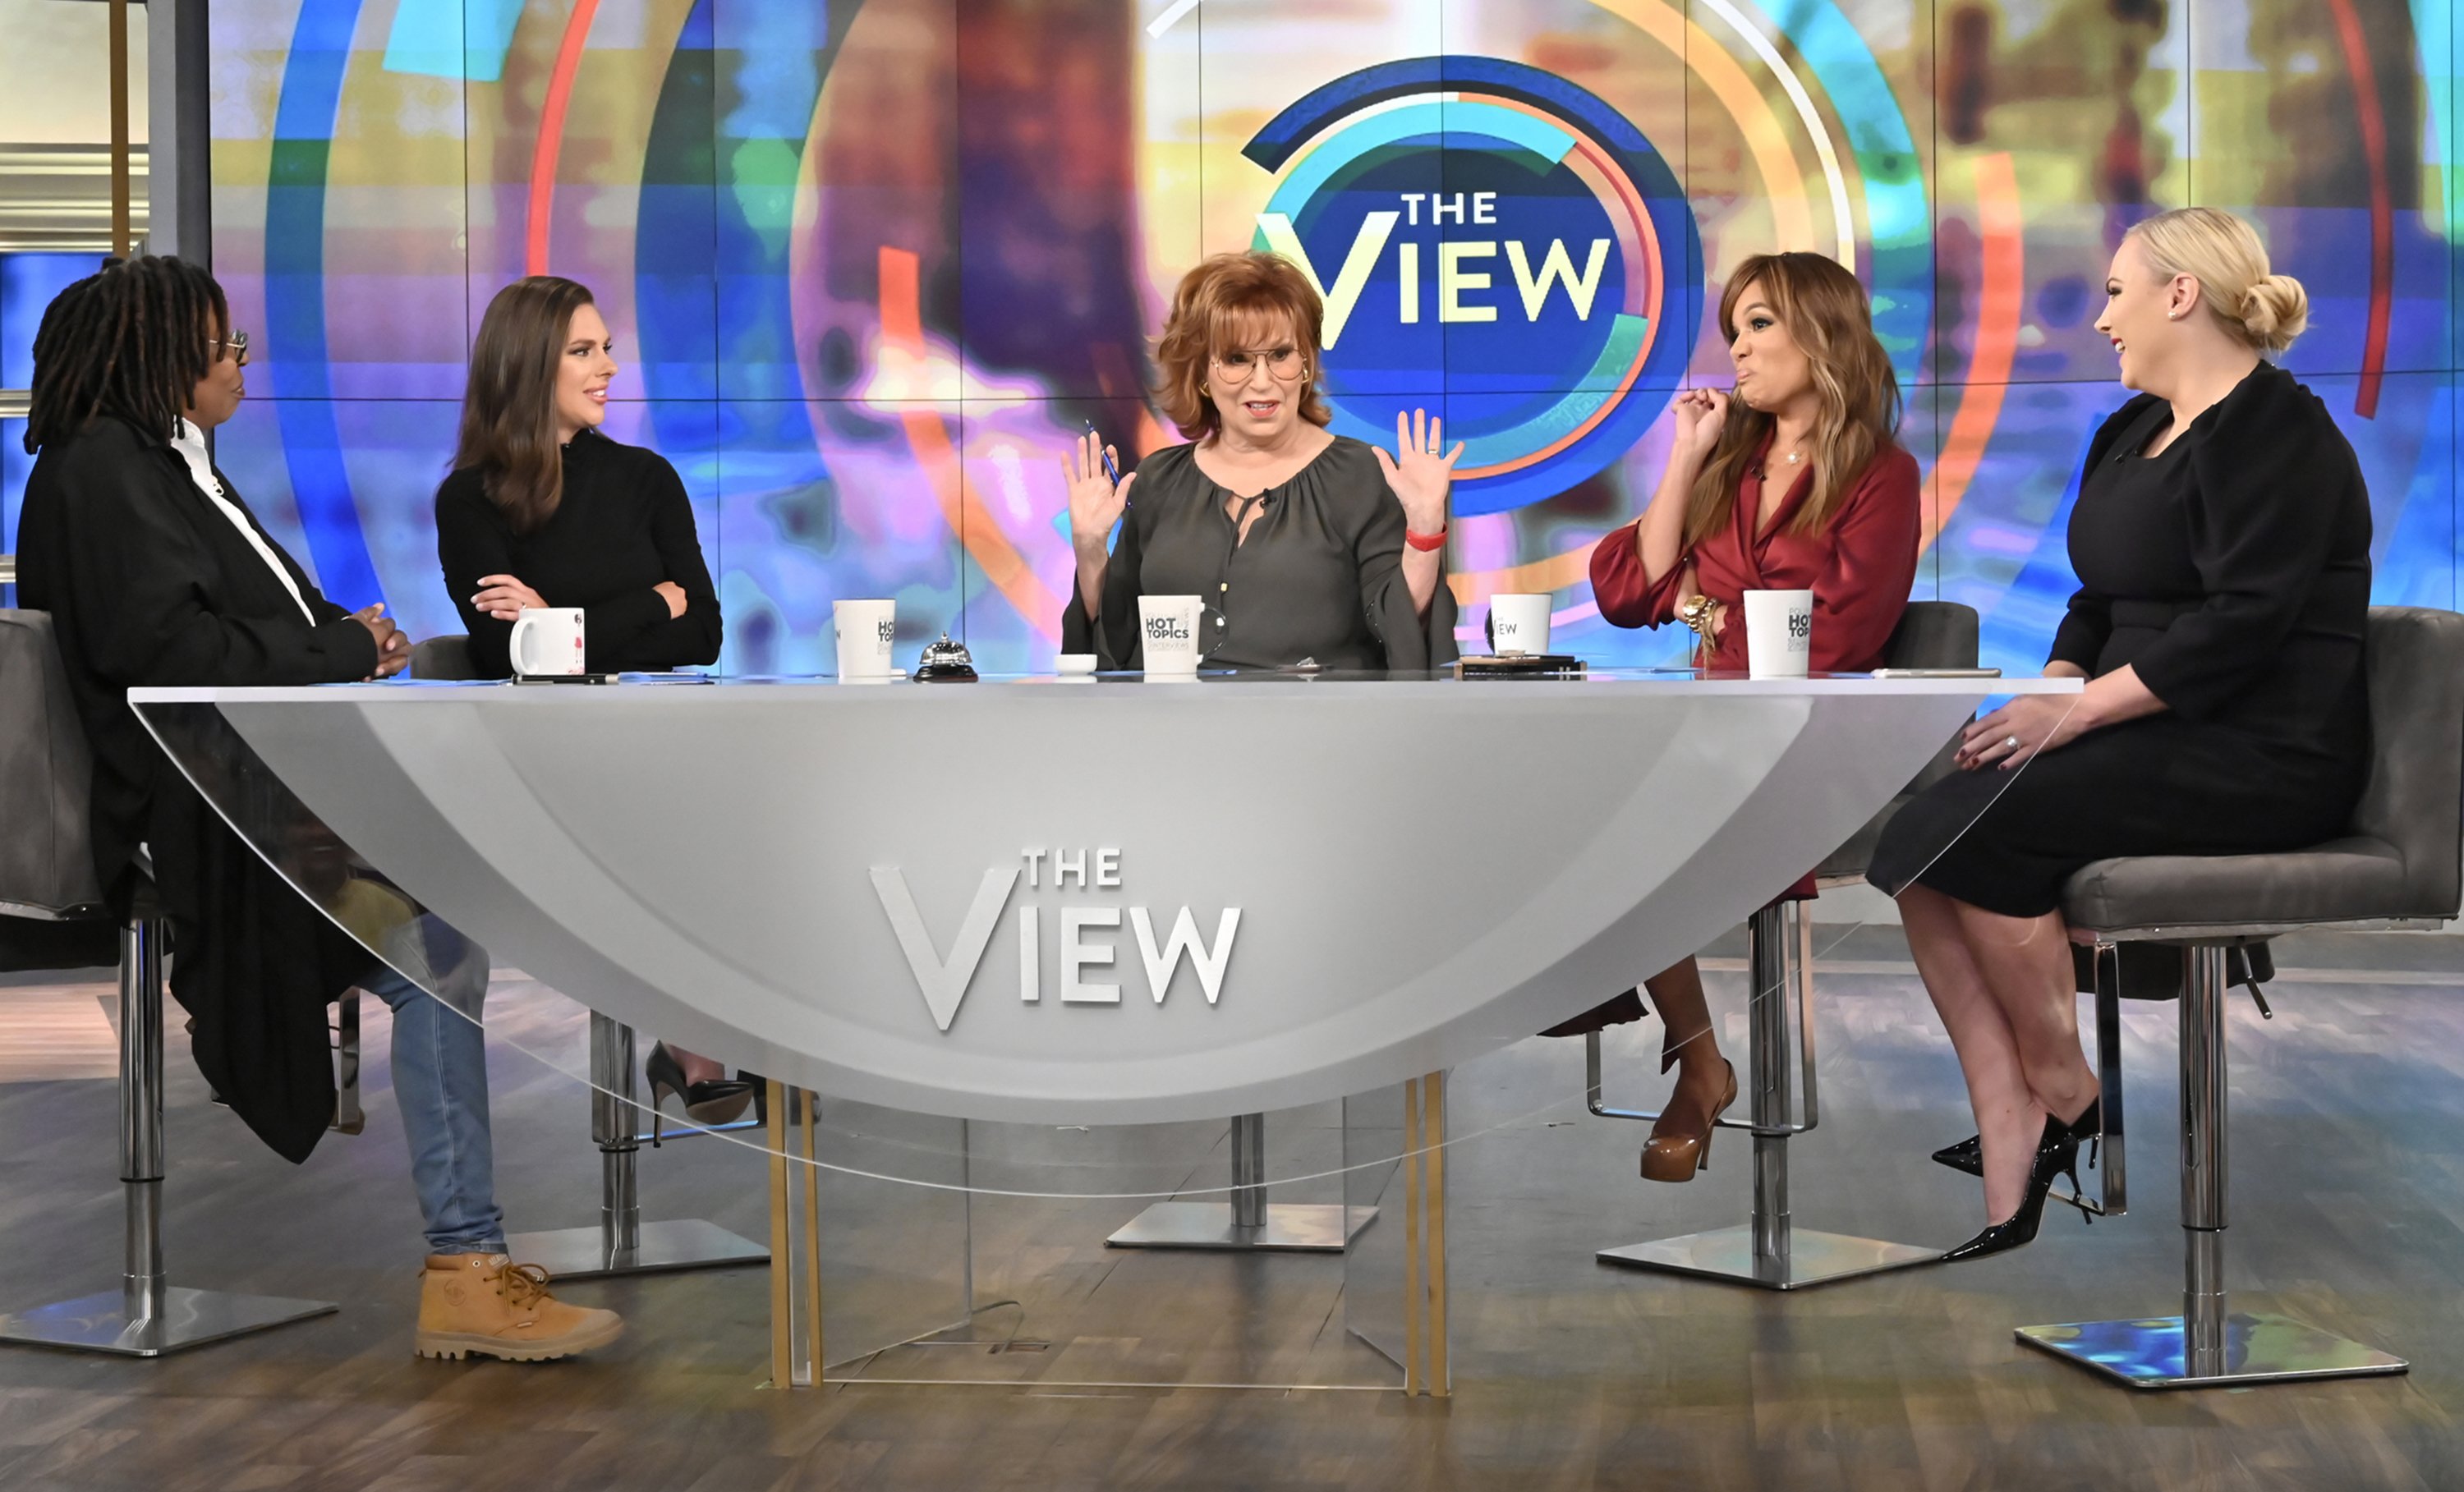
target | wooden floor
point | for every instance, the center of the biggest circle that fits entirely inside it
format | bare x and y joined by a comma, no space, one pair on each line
2347,1169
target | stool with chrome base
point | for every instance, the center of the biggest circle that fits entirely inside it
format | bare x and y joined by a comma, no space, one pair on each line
2402,867
47,887
1770,1251
621,1244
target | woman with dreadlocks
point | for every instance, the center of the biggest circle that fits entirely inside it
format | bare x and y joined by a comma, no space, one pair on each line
156,573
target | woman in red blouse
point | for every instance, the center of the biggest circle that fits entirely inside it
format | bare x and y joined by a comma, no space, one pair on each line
1794,482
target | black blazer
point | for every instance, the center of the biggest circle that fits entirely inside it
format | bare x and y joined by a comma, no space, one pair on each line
2232,571
148,584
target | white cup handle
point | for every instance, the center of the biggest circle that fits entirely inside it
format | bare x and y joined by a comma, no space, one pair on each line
525,627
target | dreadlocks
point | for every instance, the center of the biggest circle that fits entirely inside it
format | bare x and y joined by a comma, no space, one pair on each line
130,342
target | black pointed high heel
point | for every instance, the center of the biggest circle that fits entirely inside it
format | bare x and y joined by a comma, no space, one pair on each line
2056,1153
711,1103
1966,1157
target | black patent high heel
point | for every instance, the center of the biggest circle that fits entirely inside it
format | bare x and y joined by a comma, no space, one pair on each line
714,1101
2056,1153
1967,1156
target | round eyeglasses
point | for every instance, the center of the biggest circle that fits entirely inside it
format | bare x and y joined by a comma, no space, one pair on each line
1286,363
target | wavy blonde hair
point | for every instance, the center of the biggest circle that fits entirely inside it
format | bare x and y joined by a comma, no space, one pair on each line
1826,314
1227,303
2223,254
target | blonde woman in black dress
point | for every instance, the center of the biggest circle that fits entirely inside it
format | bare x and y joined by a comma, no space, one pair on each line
2222,541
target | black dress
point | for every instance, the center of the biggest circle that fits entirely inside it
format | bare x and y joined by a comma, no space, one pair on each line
2232,571
623,526
1320,576
147,583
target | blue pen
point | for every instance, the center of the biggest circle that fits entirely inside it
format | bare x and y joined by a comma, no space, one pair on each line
1111,470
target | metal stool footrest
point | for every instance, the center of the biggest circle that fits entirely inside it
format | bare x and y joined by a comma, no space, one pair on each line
1769,1252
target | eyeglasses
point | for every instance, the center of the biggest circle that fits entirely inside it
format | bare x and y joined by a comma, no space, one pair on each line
1286,363
235,346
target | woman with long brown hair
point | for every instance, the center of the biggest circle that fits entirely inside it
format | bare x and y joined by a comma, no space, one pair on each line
541,510
1793,482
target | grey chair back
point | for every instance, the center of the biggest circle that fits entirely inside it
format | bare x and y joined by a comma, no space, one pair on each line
447,657
1933,634
46,776
2414,800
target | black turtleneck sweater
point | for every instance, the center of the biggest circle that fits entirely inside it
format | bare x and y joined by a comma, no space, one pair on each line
623,526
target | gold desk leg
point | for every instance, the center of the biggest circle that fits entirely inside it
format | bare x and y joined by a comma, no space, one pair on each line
782,1259
812,1250
1411,1380
1433,1136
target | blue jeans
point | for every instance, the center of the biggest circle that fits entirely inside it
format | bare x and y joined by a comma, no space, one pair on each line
440,1078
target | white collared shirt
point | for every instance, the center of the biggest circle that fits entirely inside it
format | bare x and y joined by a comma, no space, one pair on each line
191,444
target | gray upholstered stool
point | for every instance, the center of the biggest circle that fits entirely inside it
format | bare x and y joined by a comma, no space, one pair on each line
1769,1250
2402,867
445,657
47,880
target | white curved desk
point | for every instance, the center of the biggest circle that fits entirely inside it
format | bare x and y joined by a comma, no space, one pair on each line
964,899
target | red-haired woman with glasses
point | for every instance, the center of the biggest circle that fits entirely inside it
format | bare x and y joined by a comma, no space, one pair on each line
1301,544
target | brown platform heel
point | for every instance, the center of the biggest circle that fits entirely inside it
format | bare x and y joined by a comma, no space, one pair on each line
1675,1154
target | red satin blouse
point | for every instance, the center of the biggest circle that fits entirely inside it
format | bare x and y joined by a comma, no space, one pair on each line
1860,567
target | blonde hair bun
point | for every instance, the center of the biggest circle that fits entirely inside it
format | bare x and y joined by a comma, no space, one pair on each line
2275,312
2225,255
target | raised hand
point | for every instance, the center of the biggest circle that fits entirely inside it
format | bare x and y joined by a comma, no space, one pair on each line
1096,501
505,596
1701,413
1416,474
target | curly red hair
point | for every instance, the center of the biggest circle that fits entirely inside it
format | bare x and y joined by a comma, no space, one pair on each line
1229,301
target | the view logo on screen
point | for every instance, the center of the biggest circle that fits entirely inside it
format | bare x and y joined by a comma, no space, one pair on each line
1493,243
943,978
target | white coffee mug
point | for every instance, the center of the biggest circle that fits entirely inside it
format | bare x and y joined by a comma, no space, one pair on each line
548,641
1779,633
1518,625
1168,626
865,630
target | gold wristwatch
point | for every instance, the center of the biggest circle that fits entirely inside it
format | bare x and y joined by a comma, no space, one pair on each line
1700,614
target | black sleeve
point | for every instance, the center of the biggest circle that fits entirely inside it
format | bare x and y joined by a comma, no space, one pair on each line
670,642
1113,636
319,606
473,541
123,542
1412,641
2089,622
2266,484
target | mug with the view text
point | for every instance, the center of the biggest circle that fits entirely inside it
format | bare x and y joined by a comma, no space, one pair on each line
1779,633
1168,629
547,641
865,629
1518,625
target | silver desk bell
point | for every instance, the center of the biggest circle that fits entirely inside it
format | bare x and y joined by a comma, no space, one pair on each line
945,662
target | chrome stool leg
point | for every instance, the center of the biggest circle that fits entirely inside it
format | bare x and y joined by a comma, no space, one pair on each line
1770,1251
1248,1221
2208,1344
147,1316
623,1244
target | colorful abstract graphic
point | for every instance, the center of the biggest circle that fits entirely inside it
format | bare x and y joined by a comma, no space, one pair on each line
873,263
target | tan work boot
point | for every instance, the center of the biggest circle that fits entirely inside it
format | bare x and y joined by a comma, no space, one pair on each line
485,1303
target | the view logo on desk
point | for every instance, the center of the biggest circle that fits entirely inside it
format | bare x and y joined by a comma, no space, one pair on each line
944,978
1497,245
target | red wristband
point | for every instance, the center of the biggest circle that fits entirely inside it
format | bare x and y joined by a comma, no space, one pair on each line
1424,543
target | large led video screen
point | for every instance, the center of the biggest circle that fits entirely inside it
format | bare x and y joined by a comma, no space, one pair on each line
873,264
